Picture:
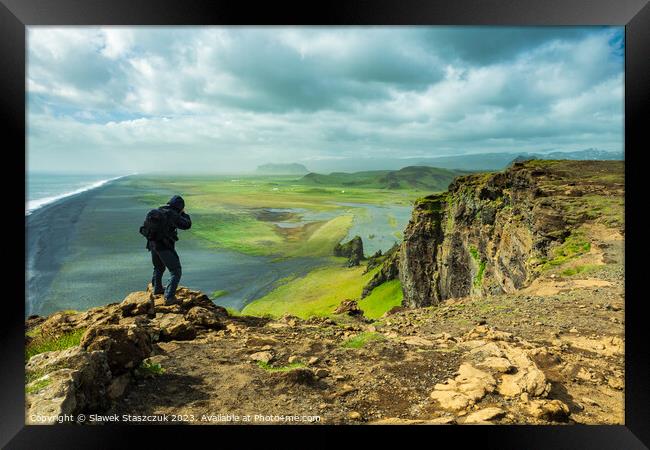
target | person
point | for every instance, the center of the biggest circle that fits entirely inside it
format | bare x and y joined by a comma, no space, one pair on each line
163,252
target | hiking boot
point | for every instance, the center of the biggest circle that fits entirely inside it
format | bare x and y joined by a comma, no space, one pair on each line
171,301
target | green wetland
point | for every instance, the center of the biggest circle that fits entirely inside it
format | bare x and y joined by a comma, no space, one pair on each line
258,244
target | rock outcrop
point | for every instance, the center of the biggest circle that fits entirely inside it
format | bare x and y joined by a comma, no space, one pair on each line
389,270
116,339
491,233
353,250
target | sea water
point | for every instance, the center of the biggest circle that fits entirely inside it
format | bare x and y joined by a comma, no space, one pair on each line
46,188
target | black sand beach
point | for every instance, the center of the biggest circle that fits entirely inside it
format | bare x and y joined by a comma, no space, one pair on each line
85,251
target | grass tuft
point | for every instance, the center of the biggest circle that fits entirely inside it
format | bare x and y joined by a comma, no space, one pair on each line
151,368
270,368
45,343
362,339
36,386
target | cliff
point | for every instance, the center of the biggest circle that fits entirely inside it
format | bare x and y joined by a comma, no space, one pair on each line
495,233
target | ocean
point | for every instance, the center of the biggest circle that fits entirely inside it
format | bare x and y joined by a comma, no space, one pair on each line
46,188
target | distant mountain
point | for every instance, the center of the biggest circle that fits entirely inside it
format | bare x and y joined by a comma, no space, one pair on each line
474,161
499,161
413,177
282,169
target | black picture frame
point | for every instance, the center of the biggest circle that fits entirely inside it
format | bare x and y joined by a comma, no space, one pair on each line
16,15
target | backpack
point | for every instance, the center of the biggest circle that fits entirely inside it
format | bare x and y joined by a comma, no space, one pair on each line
156,225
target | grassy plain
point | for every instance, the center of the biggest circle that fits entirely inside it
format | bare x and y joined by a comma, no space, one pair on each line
227,212
286,217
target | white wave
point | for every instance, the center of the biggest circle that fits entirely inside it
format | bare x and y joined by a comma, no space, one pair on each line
33,205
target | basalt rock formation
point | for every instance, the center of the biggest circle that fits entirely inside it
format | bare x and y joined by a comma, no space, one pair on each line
353,250
494,233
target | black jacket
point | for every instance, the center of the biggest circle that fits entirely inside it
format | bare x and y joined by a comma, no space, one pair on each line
177,219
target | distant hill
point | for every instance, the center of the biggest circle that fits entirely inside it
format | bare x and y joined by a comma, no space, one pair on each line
499,161
413,177
474,161
583,155
282,169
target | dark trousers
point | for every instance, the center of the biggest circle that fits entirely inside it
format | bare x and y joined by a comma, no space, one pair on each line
165,258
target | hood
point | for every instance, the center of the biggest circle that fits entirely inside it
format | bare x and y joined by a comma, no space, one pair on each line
177,202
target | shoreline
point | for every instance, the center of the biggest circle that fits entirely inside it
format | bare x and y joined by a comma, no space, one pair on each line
49,233
46,201
85,251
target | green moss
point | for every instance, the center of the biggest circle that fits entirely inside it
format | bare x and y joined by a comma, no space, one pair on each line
608,210
432,203
579,269
478,279
573,246
44,343
37,385
362,339
474,252
270,368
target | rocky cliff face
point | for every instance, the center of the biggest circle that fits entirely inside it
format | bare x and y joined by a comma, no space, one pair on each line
494,233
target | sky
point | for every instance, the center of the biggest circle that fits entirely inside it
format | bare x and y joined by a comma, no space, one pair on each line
226,99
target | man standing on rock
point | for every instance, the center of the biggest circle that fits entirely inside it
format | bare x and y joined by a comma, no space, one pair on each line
161,243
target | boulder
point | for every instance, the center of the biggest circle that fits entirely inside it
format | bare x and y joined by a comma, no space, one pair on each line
349,307
469,386
67,381
551,410
125,346
203,317
58,324
263,357
528,378
353,250
117,386
300,375
138,303
57,398
174,327
485,415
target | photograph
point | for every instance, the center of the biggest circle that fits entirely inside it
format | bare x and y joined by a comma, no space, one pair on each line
325,225
390,220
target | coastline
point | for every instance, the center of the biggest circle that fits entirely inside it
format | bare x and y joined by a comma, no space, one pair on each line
85,251
34,205
49,231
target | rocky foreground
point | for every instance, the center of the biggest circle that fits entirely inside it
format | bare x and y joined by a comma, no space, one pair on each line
534,359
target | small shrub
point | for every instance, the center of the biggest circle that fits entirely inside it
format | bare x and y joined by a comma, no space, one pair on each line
148,368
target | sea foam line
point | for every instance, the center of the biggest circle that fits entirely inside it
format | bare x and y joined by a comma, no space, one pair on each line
33,205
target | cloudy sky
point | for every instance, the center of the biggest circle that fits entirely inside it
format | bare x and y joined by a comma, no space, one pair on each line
226,99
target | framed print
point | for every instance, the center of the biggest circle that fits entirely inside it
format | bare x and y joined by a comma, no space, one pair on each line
350,218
